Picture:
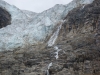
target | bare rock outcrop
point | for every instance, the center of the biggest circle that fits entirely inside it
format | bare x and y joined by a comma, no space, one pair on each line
5,18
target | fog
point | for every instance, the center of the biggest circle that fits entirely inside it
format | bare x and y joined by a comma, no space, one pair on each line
36,5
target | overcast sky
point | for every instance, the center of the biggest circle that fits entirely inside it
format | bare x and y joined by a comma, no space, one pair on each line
36,5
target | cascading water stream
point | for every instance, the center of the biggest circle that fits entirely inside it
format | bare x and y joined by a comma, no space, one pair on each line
51,43
56,56
47,71
57,51
54,36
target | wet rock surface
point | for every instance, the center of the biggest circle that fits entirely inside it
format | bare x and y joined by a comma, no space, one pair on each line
5,18
79,41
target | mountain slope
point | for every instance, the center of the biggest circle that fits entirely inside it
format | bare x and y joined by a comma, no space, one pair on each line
73,47
35,29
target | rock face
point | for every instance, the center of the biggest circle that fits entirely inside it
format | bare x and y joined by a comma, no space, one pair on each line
83,21
5,18
81,32
76,50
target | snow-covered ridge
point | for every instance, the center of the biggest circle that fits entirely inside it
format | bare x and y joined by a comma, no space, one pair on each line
32,28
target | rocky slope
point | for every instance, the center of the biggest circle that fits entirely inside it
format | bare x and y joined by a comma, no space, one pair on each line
72,49
80,39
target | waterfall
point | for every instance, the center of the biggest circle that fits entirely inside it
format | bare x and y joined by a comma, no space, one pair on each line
47,71
56,56
51,43
57,51
54,36
49,65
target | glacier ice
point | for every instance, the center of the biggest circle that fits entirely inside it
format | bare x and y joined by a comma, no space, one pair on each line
30,27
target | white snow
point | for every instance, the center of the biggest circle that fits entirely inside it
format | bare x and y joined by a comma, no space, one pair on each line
33,28
29,13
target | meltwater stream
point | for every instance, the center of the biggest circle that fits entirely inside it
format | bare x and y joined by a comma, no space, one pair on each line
48,68
54,37
57,51
56,56
51,43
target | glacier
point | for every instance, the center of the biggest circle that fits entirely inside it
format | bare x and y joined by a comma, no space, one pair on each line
32,28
